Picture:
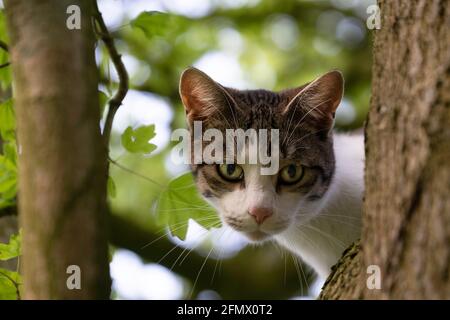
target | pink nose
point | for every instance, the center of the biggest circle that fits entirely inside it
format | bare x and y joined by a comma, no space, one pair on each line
260,214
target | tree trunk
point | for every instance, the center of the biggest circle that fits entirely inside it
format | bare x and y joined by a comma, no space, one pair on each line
406,220
62,161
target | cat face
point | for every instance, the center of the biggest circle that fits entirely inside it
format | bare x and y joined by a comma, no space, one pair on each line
261,206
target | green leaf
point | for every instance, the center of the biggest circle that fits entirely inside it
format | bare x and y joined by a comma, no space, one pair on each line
9,282
137,140
5,73
111,186
155,23
10,152
7,120
8,180
12,249
180,202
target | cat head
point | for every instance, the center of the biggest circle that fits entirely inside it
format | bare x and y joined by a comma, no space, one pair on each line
261,206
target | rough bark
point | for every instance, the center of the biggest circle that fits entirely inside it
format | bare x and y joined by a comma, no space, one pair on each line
345,277
406,227
62,161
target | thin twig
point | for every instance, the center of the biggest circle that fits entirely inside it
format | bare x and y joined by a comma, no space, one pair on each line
117,164
116,101
4,46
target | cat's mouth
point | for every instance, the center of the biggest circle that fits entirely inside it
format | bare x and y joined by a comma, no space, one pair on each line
257,235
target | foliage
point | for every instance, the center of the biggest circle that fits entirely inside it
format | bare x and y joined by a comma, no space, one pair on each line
137,140
157,24
8,158
180,202
10,280
5,73
9,284
12,249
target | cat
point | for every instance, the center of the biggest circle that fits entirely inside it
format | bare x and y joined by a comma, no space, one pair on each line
313,205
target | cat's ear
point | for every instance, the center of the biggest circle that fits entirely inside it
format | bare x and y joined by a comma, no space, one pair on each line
202,97
318,99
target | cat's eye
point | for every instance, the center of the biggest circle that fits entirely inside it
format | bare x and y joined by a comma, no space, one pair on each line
231,172
291,174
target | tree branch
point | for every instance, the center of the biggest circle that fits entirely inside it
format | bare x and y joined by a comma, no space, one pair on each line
116,58
4,65
345,279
